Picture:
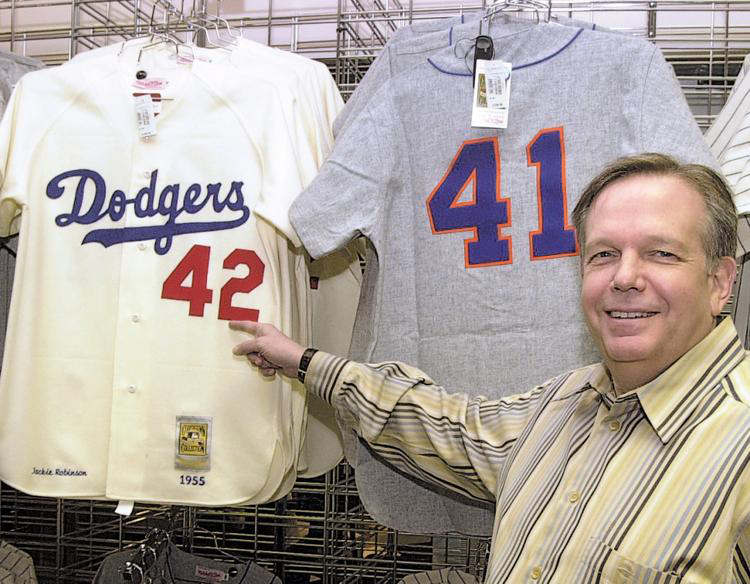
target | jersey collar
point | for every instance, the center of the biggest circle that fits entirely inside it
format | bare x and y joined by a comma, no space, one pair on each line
518,42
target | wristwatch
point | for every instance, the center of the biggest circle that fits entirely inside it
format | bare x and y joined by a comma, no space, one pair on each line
304,363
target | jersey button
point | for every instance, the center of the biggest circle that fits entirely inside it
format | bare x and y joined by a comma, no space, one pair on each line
131,388
536,573
141,246
614,425
574,497
136,318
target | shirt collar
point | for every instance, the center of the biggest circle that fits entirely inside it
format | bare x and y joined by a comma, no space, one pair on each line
670,399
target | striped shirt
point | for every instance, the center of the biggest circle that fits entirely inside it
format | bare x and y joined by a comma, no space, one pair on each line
652,486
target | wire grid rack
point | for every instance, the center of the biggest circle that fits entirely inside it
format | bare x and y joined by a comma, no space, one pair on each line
320,532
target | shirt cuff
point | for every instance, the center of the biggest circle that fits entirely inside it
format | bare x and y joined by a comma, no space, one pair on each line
324,375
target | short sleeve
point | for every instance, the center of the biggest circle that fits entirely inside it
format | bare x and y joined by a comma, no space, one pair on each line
283,176
12,189
378,73
347,197
666,123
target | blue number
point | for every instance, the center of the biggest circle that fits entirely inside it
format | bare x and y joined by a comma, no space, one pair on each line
554,238
476,164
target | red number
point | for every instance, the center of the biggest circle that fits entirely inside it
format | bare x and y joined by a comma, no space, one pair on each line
249,283
197,294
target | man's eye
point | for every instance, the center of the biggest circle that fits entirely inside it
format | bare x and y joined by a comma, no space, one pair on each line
600,256
664,254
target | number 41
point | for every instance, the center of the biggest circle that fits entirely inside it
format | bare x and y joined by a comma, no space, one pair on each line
477,163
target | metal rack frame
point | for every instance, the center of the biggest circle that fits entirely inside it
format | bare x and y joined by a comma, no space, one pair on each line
320,532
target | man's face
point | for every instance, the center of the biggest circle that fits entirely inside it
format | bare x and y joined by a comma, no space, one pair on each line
647,293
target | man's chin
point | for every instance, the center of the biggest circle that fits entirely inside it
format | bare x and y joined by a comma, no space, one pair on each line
630,350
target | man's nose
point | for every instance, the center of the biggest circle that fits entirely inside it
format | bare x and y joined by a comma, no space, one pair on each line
628,274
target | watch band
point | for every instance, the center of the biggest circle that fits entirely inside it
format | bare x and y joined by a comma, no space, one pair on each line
304,363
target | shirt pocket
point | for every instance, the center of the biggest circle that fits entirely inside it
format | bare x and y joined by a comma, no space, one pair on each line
620,569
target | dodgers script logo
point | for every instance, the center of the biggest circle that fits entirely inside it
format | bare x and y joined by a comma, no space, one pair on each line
171,203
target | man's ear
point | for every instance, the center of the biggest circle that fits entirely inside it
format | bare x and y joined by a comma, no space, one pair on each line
722,280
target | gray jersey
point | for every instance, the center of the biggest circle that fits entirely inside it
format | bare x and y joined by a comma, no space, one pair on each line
16,566
175,565
474,276
411,45
12,68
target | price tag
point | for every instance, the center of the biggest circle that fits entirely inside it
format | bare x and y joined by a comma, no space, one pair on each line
145,116
491,94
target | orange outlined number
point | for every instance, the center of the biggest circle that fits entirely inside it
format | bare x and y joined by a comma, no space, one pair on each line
476,166
555,237
475,171
195,264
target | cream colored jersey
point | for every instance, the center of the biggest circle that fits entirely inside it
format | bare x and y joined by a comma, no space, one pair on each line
118,379
310,101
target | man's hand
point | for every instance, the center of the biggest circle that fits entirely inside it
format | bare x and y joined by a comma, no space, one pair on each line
270,350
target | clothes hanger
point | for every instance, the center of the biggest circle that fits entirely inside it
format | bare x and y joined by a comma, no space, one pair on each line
165,37
538,6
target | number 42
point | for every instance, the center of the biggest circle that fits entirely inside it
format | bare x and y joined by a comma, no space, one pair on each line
198,294
477,163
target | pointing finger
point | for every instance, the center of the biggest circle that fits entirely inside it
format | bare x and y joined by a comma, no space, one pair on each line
246,347
247,326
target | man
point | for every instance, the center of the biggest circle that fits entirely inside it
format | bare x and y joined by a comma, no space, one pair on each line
632,470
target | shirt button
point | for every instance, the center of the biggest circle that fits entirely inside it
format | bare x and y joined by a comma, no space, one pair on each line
141,246
574,497
146,174
614,425
536,573
624,573
136,318
131,388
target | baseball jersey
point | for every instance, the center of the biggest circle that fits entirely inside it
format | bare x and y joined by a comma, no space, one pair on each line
176,565
728,139
474,275
444,576
310,101
119,380
16,566
411,45
12,68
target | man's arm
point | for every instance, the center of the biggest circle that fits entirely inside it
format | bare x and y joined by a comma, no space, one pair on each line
450,440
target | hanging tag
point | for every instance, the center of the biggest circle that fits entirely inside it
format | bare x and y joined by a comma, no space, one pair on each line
125,508
156,101
145,116
484,50
491,94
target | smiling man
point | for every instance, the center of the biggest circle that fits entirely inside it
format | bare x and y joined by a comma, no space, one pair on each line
631,470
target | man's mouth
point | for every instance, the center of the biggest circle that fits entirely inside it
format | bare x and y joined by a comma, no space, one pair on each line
629,315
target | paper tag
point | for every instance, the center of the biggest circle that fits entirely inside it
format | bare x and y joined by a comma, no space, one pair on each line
125,508
151,84
156,101
193,443
491,94
145,116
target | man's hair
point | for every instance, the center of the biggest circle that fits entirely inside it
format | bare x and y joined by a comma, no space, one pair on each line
720,232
